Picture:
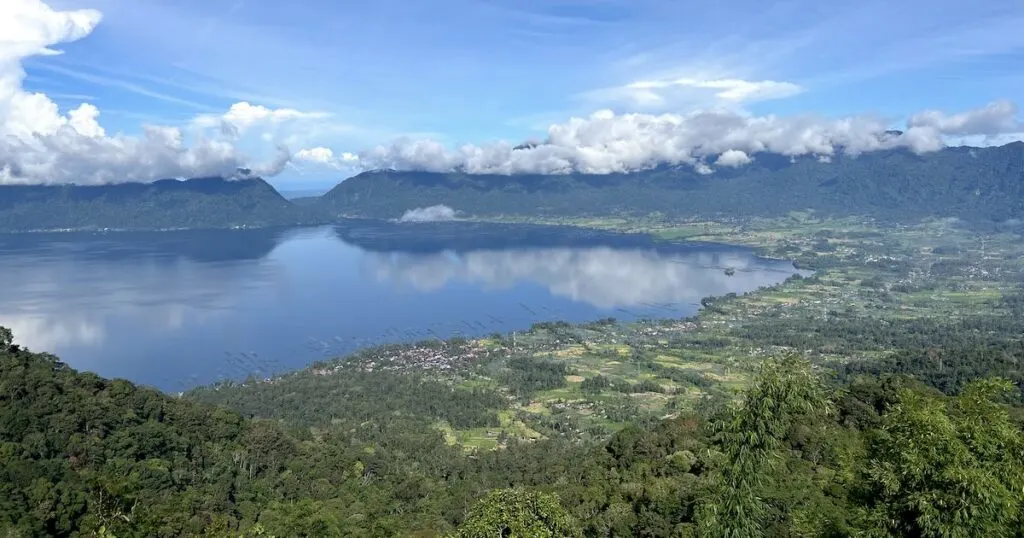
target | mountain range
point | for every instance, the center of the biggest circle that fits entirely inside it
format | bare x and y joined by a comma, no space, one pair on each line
981,185
164,204
974,184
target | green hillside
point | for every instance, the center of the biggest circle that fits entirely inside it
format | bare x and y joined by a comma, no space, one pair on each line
795,455
166,204
976,184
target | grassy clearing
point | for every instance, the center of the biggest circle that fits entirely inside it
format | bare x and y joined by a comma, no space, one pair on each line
450,435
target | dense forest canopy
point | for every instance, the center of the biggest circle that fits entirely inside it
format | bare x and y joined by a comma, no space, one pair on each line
975,184
880,455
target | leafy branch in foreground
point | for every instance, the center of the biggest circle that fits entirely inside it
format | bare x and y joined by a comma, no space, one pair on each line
748,443
948,467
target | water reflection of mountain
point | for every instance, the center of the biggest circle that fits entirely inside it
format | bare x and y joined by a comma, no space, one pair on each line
193,245
460,236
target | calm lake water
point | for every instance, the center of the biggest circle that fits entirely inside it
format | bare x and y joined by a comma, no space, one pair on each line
176,309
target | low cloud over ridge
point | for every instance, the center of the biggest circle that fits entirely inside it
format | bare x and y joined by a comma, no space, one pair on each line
606,142
434,213
41,144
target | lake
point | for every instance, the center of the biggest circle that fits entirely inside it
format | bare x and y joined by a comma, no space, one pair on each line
177,309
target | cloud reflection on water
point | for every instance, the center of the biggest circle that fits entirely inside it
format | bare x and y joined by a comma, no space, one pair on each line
66,295
178,309
602,277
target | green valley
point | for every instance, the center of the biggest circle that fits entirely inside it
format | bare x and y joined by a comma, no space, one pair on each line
511,269
850,376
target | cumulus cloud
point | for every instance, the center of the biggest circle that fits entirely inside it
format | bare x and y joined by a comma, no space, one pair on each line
993,119
242,116
733,157
606,142
434,213
316,155
39,143
30,27
326,156
993,122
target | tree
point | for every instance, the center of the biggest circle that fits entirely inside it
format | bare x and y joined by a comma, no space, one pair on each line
948,468
6,338
518,513
751,440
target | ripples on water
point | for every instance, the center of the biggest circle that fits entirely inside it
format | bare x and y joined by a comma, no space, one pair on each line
175,309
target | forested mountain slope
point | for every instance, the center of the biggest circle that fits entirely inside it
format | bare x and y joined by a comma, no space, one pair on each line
883,456
976,184
193,203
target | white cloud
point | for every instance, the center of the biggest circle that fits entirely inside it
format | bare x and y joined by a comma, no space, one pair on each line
30,27
729,90
243,116
987,140
41,144
434,213
733,157
742,90
989,124
702,168
672,93
994,119
607,142
317,155
326,156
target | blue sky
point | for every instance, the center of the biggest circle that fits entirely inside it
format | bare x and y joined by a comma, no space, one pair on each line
458,71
